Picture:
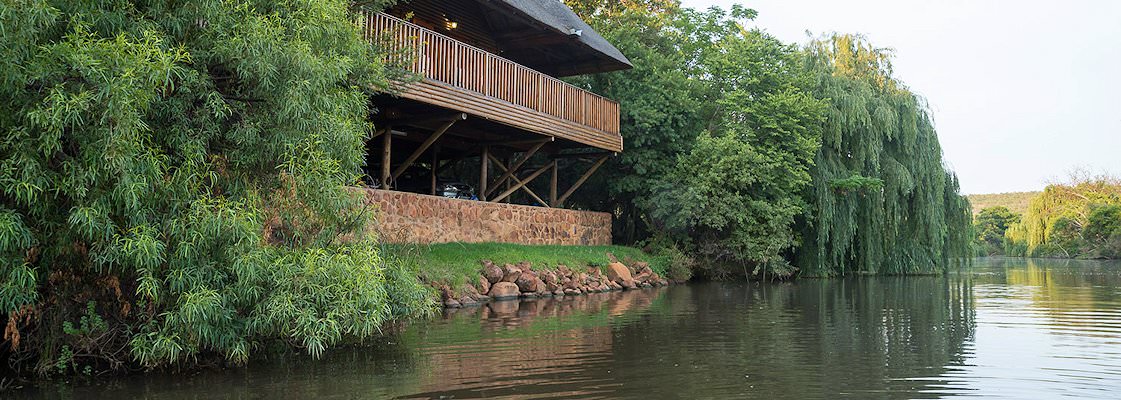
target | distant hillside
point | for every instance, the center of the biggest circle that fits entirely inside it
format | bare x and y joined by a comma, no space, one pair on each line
1015,201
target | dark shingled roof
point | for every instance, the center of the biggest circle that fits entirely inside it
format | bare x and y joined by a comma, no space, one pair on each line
558,17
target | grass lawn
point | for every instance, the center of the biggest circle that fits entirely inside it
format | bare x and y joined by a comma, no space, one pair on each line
458,263
1018,202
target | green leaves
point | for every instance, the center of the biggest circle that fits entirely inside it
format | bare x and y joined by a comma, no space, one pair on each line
881,200
196,154
1079,218
736,191
990,226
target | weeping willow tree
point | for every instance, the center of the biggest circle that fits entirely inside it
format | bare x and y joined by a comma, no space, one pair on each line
881,199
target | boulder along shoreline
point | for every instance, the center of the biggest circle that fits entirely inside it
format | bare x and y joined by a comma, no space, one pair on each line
521,280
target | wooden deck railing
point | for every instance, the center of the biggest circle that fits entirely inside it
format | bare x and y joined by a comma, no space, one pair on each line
440,58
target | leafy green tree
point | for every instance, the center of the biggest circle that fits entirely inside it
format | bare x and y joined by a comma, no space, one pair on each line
719,129
183,164
990,226
662,105
737,192
1102,224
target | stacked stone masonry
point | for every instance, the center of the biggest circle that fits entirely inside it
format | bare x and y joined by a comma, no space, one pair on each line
414,218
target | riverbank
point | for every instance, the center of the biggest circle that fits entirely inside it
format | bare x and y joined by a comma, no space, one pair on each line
465,274
913,337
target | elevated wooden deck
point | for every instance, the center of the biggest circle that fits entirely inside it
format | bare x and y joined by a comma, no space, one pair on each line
461,77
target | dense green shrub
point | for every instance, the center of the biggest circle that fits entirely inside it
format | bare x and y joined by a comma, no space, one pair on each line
679,265
990,226
734,194
183,165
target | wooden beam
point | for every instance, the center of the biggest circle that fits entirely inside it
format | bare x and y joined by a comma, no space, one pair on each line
386,158
583,178
448,141
428,142
483,159
514,168
507,182
553,185
420,122
498,111
435,162
521,183
379,132
525,187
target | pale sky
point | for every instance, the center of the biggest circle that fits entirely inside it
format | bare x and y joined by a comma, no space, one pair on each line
1022,92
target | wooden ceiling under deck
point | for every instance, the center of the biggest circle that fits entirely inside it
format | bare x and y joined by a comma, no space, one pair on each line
411,132
420,119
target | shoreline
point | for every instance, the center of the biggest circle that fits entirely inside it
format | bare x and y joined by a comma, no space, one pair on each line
522,281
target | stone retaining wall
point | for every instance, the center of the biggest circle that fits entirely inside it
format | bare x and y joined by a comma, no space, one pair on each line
415,218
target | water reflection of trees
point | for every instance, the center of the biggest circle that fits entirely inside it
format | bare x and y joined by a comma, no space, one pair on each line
813,338
1068,292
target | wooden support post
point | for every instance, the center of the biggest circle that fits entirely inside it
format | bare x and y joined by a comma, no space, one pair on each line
583,178
483,167
553,185
521,183
424,146
507,181
525,186
386,157
514,168
435,162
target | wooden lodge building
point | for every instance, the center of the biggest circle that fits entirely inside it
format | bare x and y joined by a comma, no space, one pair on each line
484,108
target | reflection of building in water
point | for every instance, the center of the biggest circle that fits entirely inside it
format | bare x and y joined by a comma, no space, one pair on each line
534,345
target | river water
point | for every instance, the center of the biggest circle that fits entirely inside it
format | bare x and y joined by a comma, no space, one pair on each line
1009,328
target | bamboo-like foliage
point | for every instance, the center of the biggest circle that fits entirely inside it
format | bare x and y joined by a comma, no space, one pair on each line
881,200
181,165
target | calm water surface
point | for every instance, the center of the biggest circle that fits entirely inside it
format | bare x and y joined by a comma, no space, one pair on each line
1008,328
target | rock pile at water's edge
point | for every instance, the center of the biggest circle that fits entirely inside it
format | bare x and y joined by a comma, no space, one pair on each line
513,281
